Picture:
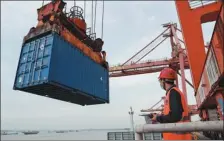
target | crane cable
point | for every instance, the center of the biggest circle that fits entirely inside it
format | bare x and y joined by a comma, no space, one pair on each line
93,25
84,9
92,19
102,21
95,18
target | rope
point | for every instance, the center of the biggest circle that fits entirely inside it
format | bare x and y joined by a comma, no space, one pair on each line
43,3
102,21
95,17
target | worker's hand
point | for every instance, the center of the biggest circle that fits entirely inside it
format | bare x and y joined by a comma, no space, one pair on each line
154,117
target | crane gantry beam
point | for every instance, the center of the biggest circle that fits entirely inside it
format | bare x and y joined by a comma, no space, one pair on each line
145,67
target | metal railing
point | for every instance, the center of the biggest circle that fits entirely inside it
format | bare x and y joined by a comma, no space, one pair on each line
149,61
145,61
178,127
90,34
212,68
201,89
140,69
120,136
198,99
200,3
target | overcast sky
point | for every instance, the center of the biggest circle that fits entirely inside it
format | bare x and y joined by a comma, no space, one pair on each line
128,26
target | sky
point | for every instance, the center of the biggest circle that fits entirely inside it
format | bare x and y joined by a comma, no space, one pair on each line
128,27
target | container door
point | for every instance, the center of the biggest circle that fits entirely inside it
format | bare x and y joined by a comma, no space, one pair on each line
34,62
25,65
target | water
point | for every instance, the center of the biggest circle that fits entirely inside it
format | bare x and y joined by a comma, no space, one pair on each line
85,135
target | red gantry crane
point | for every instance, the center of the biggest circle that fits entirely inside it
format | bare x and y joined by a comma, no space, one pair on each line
178,60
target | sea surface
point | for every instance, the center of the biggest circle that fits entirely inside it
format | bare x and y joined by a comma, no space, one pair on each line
84,135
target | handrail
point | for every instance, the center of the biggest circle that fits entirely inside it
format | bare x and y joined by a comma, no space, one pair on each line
199,3
181,127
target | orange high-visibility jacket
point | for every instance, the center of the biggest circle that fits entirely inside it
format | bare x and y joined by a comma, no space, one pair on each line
185,117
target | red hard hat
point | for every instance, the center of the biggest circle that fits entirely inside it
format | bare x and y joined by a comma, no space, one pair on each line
167,73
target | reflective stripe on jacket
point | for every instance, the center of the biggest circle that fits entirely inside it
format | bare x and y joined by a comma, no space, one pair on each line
185,117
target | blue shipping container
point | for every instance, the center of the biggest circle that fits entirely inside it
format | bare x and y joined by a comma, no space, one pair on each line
50,66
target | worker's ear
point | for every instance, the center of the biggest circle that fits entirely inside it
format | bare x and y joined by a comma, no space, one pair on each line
162,84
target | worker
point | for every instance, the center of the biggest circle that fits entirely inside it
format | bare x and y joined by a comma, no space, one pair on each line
175,106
